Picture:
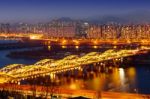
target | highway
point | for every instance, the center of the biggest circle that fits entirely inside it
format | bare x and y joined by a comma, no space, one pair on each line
57,91
73,41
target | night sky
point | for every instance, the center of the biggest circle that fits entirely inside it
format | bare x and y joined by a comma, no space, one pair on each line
43,10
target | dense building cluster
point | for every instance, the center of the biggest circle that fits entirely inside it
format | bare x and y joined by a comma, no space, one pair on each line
57,28
119,31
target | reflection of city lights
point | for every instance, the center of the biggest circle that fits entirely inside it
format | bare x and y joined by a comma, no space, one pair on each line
76,42
116,77
18,83
98,83
128,41
49,42
144,41
131,72
64,46
115,42
121,72
115,47
32,37
49,47
95,42
122,78
64,42
77,47
35,36
73,86
95,47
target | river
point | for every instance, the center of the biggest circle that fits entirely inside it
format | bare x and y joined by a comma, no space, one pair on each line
135,79
132,80
6,60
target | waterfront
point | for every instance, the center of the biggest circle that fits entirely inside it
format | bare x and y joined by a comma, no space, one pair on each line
134,79
130,80
74,49
6,60
5,50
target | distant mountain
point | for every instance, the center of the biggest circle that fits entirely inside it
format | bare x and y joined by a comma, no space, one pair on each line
65,19
135,17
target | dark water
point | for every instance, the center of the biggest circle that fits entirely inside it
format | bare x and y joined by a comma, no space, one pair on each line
8,41
135,79
6,61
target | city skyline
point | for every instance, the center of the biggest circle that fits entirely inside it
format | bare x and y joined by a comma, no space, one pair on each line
74,49
45,10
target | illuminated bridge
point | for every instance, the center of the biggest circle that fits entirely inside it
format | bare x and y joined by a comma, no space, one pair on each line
17,72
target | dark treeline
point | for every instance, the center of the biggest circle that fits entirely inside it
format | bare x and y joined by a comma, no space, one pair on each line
4,94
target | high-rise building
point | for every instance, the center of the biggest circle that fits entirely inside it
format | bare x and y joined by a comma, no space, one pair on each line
5,28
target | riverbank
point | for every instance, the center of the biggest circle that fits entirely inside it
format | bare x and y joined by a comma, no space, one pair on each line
55,52
42,92
19,45
4,60
59,52
121,80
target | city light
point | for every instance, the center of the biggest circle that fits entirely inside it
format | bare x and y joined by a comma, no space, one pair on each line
49,47
61,49
95,42
76,42
64,42
95,47
64,47
46,66
77,47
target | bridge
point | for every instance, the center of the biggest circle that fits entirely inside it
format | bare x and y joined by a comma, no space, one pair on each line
12,75
15,73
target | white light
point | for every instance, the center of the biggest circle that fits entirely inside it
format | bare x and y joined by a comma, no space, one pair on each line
121,72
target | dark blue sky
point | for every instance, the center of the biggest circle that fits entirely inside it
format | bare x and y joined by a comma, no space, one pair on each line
42,10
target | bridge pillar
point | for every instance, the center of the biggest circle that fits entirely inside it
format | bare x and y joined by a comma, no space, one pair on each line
52,76
80,73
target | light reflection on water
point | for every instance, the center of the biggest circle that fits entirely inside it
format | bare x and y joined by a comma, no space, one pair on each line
120,79
130,79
